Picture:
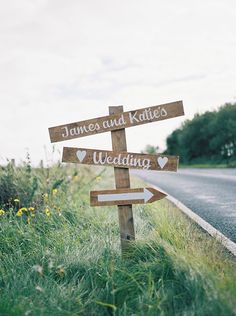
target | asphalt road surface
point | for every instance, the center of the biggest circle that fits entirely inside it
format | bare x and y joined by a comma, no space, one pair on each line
210,193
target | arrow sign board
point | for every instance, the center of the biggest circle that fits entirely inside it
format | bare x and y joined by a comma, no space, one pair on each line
120,159
116,121
125,196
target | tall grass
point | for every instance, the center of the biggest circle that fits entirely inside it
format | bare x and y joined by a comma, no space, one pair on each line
67,261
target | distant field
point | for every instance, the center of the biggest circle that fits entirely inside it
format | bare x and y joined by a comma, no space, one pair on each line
59,256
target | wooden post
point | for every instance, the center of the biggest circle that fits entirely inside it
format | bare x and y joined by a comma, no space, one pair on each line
122,181
41,163
13,162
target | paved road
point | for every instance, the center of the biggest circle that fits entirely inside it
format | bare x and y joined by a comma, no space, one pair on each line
211,193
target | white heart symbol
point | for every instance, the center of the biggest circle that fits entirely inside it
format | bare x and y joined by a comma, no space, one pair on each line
162,161
81,154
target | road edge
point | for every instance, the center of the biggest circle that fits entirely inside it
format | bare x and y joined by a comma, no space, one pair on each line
225,241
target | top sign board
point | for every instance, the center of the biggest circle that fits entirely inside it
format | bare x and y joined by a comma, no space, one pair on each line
116,121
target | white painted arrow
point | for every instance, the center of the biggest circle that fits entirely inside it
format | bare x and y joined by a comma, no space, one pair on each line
125,196
146,195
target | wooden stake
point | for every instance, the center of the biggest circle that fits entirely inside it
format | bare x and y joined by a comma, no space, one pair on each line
41,163
122,181
13,162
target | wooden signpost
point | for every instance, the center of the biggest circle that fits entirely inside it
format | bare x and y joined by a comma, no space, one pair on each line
116,122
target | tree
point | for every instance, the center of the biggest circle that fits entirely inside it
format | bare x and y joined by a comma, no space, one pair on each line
224,140
207,137
150,149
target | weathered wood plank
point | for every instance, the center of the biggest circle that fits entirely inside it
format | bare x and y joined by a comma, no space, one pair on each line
122,181
116,121
120,159
125,196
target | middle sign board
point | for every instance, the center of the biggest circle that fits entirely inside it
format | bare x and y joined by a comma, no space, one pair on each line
120,159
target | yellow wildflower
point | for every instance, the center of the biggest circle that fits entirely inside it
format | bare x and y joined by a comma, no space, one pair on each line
31,208
19,213
16,200
54,191
23,209
47,212
98,178
32,214
2,212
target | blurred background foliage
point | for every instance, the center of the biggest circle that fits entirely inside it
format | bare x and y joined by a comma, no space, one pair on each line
207,138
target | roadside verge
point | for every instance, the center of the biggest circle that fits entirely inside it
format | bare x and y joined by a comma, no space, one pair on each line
226,242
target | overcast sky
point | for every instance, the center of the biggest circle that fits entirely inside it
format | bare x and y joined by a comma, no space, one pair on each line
66,61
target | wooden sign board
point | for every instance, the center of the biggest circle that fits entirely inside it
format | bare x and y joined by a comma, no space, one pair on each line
125,196
120,159
116,121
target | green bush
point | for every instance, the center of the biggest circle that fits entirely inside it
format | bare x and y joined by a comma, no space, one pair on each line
207,138
17,184
24,186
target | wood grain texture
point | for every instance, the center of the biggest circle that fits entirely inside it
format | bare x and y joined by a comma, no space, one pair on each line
94,201
116,121
122,181
120,159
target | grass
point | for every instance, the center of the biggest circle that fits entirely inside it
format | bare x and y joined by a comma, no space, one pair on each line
210,164
207,166
65,259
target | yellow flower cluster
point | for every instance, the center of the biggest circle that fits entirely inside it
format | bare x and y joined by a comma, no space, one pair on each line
19,213
24,209
31,209
31,212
